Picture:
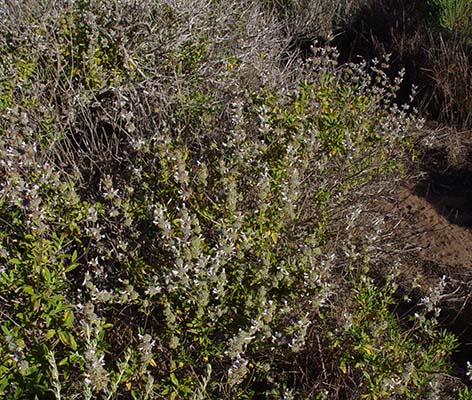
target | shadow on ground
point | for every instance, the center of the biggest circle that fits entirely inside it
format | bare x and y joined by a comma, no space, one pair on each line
450,193
436,218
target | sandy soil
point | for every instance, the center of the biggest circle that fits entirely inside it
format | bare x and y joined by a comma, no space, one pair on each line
435,216
439,226
432,222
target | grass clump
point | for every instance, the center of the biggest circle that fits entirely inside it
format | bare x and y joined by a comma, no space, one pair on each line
173,198
452,15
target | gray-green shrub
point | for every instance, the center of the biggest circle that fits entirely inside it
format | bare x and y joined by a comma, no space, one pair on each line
174,193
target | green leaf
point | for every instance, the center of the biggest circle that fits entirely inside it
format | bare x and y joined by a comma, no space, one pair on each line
174,379
71,267
49,334
63,362
71,359
28,290
6,331
46,274
68,318
67,339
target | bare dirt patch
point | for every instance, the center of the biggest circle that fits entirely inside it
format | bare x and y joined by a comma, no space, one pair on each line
438,225
431,220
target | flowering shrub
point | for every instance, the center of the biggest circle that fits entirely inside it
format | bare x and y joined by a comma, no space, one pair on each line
172,197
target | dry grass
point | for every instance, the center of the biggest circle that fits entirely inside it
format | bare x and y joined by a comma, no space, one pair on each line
437,61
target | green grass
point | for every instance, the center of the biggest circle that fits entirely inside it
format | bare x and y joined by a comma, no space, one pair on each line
453,15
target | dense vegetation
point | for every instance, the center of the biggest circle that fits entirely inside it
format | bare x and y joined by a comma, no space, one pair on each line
186,203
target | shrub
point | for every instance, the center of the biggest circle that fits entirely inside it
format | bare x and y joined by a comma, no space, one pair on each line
171,204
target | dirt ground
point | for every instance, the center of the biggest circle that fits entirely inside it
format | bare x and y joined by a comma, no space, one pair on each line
432,220
438,225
